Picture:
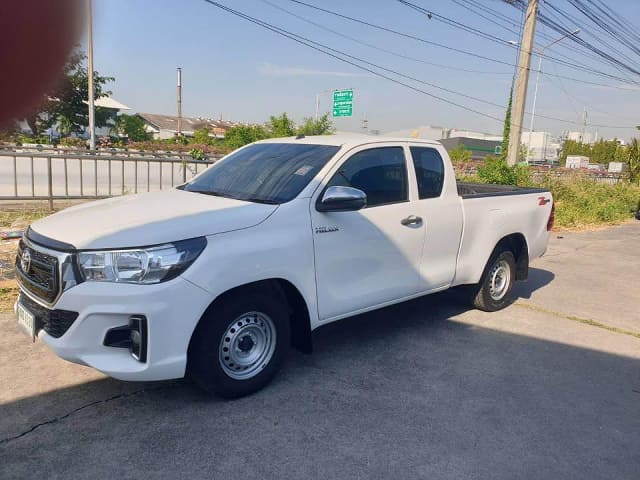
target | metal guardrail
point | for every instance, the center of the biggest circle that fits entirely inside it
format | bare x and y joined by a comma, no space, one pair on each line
608,178
108,175
110,151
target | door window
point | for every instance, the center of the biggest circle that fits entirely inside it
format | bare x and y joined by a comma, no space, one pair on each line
379,172
429,171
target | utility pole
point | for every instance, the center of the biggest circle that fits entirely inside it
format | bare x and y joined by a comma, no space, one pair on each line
584,124
179,101
522,82
92,109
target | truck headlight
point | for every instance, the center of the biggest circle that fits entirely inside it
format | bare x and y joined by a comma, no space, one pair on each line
143,266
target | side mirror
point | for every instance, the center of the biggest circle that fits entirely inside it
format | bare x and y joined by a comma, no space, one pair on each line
342,199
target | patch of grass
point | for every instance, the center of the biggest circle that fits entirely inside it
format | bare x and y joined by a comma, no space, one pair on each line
581,202
8,296
21,218
584,202
585,321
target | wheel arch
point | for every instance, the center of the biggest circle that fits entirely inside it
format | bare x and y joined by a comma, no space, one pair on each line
516,243
299,318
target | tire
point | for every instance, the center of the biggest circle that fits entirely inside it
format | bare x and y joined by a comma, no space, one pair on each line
494,290
240,343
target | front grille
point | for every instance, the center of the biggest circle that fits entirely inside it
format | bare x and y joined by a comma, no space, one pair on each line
41,275
54,322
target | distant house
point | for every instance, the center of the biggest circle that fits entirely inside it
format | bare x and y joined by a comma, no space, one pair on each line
112,107
166,126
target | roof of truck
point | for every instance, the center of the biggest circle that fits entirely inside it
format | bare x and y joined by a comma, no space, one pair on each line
348,140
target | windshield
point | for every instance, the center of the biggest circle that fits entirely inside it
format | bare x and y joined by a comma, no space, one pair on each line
264,173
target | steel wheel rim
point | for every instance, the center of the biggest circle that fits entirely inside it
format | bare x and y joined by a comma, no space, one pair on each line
499,280
247,345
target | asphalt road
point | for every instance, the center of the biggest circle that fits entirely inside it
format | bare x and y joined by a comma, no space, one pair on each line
426,389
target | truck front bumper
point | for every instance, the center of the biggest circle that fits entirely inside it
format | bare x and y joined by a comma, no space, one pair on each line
172,311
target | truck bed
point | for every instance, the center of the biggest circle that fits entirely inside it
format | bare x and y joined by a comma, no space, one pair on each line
480,190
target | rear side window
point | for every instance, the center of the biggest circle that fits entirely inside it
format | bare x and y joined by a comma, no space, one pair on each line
429,171
381,173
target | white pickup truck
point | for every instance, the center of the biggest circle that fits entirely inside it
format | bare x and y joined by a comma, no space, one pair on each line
218,277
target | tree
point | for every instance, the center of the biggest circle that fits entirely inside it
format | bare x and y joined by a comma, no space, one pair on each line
507,127
67,103
201,136
281,126
241,135
460,154
132,126
322,126
633,160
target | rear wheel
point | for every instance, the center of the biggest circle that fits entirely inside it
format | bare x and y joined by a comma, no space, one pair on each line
239,346
493,291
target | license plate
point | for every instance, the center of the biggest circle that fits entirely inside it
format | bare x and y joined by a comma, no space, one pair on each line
27,321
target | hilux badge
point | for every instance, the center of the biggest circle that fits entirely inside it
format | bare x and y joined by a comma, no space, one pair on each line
327,229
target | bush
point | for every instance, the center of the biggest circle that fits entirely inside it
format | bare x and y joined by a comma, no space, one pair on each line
460,154
163,146
241,135
580,201
585,202
197,154
201,136
73,142
496,170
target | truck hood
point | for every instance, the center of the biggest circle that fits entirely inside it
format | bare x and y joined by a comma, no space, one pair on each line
149,219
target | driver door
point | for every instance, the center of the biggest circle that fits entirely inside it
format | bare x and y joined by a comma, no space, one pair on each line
369,257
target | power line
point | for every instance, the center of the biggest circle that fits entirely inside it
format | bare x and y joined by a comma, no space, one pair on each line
472,54
376,47
448,21
336,54
303,41
432,15
520,4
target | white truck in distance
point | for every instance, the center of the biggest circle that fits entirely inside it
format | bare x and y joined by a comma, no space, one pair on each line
216,279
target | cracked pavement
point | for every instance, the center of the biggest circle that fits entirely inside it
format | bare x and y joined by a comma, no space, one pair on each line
425,389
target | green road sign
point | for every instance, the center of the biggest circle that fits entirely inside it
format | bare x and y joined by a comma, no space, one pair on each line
343,103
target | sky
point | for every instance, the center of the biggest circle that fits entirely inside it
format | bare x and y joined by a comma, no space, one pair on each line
240,71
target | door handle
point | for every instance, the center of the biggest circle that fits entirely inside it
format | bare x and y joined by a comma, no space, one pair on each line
411,220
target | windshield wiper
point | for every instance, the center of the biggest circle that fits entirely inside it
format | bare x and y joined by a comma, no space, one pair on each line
210,192
260,200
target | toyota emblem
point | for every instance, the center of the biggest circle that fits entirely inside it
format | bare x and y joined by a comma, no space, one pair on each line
25,261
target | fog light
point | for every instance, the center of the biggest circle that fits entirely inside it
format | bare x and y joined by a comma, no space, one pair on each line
138,337
132,336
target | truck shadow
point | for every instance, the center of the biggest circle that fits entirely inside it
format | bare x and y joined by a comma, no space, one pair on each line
538,278
407,385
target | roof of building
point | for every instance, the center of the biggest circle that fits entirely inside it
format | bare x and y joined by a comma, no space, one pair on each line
189,124
108,102
103,102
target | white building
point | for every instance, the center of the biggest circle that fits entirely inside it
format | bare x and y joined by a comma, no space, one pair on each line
581,137
541,146
618,167
577,161
425,132
492,137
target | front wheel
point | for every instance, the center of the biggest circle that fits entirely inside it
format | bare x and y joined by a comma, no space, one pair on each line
493,291
239,346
